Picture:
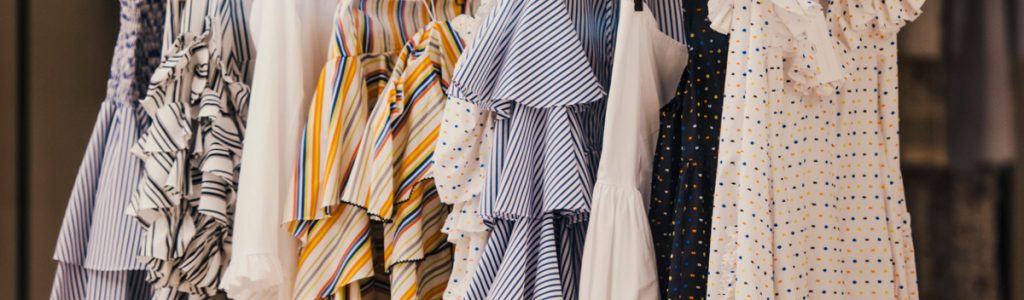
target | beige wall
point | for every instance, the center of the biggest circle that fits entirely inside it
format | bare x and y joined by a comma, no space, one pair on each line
69,47
8,121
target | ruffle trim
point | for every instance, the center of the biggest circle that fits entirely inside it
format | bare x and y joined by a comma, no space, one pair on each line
192,153
619,230
254,276
526,78
417,229
720,13
812,63
880,16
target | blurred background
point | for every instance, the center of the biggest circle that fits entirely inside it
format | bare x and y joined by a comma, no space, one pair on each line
962,109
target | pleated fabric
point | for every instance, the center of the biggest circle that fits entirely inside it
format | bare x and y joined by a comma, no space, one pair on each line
197,100
97,244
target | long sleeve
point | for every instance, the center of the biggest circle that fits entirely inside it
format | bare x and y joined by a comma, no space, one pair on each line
291,39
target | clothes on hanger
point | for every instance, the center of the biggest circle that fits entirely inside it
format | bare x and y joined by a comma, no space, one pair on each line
548,112
451,149
339,186
393,169
618,259
460,169
97,243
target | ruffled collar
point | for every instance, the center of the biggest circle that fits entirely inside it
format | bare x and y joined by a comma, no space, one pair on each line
528,53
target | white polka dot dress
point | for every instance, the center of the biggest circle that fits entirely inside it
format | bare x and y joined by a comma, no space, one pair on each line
809,200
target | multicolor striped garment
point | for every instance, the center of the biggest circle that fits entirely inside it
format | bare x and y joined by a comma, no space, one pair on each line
336,231
392,176
197,100
97,245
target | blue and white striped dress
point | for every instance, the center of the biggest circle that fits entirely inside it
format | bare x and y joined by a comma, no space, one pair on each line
97,245
541,66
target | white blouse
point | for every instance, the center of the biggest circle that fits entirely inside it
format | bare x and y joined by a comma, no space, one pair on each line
291,38
618,258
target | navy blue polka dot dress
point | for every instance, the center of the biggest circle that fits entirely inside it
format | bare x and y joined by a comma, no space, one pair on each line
684,164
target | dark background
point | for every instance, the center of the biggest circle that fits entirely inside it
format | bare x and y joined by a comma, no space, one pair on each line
962,109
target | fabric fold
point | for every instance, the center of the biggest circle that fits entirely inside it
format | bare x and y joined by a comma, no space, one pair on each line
291,39
197,100
812,59
720,13
254,276
358,166
618,259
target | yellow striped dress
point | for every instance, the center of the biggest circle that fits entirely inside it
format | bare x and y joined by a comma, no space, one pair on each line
336,233
392,175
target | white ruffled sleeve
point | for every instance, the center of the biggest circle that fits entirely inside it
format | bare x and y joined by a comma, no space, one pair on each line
720,13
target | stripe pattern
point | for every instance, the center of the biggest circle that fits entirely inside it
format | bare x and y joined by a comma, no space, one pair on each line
97,244
197,101
393,173
74,282
335,226
541,67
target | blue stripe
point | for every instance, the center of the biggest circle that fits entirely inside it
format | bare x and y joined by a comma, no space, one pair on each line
98,244
542,67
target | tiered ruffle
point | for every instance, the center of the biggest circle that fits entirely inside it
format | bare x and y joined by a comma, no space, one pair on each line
191,155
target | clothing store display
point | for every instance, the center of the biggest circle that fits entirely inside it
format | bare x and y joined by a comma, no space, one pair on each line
97,245
197,100
486,149
291,39
618,259
809,200
686,157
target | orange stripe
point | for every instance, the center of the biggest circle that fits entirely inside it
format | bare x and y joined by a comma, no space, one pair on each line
337,118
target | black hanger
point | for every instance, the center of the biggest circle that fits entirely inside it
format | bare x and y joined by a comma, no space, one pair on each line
638,5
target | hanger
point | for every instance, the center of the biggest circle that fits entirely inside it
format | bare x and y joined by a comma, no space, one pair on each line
638,5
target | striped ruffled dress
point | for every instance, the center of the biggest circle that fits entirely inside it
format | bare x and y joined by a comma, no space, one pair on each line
540,66
197,100
97,245
392,176
340,246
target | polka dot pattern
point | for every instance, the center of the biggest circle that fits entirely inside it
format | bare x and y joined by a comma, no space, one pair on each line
809,200
685,161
